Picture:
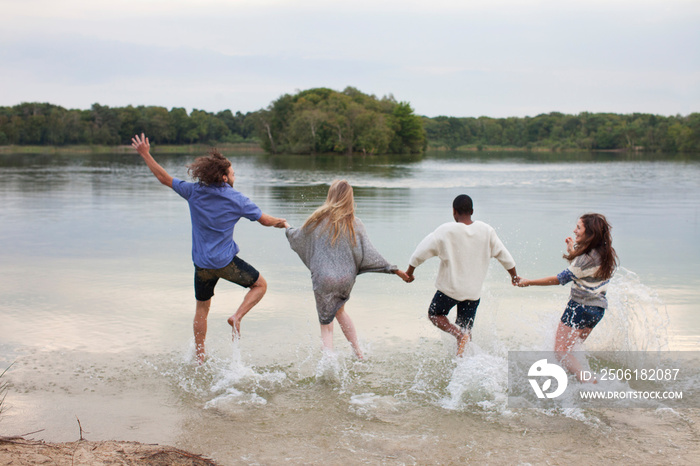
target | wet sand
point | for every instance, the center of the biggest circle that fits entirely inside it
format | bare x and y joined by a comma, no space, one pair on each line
630,437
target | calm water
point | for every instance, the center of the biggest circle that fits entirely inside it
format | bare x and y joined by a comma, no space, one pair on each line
97,304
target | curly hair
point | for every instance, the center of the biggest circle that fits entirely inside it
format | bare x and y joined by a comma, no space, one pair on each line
598,237
209,169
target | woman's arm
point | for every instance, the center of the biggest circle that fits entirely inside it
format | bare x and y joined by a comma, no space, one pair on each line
547,281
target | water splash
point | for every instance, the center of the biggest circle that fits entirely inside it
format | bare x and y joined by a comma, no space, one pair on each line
329,368
427,373
371,405
478,379
238,383
636,319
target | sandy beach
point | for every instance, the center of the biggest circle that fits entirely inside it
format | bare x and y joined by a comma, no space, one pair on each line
21,451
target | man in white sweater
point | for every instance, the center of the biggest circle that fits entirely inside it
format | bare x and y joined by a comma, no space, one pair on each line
465,249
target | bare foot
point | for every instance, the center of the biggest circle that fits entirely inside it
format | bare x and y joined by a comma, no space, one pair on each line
201,356
236,325
462,343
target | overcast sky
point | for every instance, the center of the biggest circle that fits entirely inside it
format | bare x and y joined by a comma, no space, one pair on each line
495,58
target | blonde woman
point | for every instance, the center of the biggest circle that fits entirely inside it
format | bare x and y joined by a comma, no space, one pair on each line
334,245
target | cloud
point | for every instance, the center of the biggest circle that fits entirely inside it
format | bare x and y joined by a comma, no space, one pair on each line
445,57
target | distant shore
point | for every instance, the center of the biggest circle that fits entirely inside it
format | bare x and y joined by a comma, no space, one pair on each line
249,147
254,148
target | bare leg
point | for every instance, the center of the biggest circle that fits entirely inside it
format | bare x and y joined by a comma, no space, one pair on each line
255,293
327,336
443,323
348,329
565,340
200,328
463,340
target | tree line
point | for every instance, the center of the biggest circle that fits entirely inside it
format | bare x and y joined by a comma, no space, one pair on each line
557,131
47,124
313,121
326,121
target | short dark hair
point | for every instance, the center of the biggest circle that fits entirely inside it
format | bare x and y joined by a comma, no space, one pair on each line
463,205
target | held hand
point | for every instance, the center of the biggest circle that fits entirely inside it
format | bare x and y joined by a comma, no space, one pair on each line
142,146
404,276
523,282
281,223
516,280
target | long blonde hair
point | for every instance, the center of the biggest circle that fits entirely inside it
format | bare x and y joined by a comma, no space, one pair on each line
339,210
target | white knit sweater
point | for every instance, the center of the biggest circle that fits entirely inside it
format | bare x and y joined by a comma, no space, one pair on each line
464,252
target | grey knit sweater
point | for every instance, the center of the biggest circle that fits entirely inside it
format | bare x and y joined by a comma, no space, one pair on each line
335,267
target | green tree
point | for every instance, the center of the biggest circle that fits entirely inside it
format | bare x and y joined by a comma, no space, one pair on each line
181,125
129,123
155,121
322,120
689,138
409,135
104,128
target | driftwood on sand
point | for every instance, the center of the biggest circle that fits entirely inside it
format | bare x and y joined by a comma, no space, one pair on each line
17,450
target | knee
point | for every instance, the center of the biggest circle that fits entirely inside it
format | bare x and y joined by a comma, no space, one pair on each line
260,285
202,308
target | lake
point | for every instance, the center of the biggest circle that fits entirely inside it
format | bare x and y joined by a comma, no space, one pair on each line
97,306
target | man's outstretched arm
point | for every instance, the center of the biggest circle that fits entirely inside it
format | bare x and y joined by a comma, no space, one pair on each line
270,221
143,147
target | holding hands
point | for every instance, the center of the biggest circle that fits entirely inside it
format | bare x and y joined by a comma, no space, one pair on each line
404,276
408,274
522,282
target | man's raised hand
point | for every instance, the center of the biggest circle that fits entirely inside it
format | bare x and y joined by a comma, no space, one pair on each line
141,144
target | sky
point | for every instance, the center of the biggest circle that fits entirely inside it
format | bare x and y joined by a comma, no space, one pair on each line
463,58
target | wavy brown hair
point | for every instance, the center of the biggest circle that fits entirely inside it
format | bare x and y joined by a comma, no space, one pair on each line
339,209
209,169
597,237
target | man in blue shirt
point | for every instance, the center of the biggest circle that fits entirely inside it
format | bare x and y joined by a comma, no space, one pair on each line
215,208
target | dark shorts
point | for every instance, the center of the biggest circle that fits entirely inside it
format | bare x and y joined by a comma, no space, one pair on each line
578,315
238,271
466,310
